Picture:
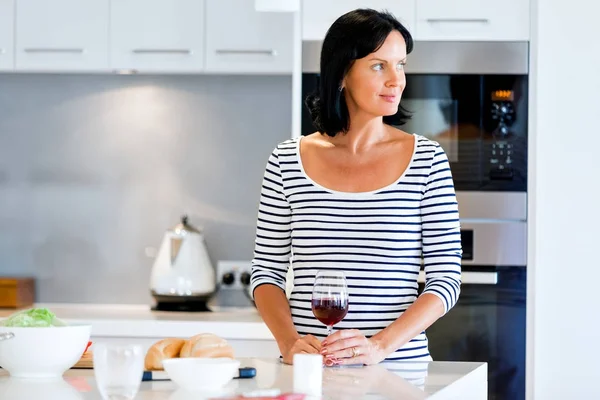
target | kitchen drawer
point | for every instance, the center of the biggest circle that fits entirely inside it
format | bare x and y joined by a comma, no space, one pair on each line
61,35
261,43
318,15
478,20
157,35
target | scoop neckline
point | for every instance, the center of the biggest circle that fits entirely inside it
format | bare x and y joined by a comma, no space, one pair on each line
356,194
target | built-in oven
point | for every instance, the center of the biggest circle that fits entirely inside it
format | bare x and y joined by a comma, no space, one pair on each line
469,97
472,98
488,323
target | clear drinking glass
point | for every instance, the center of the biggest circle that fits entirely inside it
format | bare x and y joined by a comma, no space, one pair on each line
330,298
118,370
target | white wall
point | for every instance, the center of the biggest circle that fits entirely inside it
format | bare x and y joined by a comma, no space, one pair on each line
95,168
564,263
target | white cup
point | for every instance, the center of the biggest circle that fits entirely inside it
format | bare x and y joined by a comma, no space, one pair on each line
308,374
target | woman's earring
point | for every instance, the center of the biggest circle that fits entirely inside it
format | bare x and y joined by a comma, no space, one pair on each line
341,88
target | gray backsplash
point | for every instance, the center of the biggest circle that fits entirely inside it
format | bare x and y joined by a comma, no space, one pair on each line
94,168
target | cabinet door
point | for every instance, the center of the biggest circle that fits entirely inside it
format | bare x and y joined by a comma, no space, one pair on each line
7,12
485,20
240,39
157,35
318,15
61,35
277,5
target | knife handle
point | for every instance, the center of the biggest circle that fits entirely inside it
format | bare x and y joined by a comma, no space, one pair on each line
247,373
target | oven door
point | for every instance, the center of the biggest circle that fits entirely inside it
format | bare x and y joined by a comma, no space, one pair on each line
488,323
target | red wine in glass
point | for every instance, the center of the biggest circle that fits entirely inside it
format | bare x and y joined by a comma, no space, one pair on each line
329,311
330,298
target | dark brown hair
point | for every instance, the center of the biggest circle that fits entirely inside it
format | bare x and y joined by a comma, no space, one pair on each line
352,36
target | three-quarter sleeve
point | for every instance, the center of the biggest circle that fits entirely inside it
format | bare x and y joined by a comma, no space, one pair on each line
273,232
442,248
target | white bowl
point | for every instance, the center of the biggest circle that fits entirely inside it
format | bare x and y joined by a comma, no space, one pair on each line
43,352
201,374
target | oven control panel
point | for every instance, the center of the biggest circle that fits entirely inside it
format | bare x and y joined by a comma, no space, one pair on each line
503,113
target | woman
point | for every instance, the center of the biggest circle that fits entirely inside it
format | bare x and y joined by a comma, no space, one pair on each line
363,197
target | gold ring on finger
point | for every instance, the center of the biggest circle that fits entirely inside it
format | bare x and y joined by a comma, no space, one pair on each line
355,352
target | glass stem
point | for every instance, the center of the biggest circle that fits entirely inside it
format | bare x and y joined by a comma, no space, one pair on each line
329,329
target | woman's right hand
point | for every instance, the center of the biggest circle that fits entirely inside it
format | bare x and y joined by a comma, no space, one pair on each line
308,344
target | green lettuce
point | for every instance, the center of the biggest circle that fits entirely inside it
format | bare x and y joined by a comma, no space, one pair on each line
34,317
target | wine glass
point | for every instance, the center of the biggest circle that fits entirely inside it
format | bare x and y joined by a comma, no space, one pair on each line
330,298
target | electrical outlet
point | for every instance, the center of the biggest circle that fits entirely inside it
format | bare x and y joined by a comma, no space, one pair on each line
229,273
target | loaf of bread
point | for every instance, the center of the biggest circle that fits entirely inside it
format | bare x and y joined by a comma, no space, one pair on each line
206,345
162,350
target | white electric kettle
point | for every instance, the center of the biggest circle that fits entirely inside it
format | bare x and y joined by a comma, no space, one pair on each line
182,278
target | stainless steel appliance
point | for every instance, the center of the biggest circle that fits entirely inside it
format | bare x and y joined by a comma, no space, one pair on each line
472,98
488,323
469,97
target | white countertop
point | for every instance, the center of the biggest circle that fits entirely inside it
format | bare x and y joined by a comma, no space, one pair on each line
139,321
407,381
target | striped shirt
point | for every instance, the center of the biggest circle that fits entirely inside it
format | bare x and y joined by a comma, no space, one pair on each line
379,239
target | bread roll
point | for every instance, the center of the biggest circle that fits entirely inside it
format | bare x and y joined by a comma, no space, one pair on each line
207,345
162,350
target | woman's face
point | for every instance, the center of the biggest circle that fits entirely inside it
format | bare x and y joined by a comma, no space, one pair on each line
374,84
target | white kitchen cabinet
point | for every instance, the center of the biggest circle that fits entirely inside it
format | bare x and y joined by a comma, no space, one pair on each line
480,20
240,39
318,15
157,35
63,35
277,5
7,12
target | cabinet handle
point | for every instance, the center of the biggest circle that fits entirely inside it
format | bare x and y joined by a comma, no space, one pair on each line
458,20
53,50
267,52
162,51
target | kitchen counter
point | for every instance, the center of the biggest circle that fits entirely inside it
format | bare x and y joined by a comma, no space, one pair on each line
243,328
407,381
110,320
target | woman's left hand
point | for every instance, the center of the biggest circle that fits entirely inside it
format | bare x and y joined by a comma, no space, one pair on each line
349,346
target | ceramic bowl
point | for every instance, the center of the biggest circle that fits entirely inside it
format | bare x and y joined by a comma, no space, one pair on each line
201,374
42,352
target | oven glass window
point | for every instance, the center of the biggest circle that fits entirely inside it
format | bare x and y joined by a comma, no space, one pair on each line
479,120
488,324
435,119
